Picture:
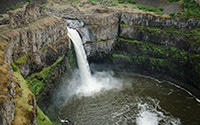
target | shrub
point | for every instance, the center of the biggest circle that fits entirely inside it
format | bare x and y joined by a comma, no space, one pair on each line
105,2
126,1
1,15
132,1
173,0
19,5
121,1
160,8
28,0
150,9
12,7
191,9
7,9
171,14
178,14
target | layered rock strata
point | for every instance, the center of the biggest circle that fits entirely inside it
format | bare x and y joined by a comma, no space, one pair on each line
29,43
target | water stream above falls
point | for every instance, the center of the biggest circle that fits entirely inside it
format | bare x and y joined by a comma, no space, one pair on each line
120,98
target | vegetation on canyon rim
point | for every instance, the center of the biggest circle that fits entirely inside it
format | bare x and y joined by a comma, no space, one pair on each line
189,8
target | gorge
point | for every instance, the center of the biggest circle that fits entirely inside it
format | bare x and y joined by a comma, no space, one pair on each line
36,52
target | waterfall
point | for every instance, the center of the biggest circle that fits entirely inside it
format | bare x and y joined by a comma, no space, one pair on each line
81,57
84,83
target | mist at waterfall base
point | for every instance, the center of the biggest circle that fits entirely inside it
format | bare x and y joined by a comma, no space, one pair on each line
119,98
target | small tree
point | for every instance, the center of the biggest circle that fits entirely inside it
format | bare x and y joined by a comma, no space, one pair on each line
171,14
28,0
7,9
132,1
160,8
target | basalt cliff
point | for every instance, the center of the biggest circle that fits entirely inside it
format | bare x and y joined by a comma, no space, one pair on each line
36,51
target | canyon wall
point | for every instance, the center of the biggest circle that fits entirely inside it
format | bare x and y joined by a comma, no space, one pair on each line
138,41
34,48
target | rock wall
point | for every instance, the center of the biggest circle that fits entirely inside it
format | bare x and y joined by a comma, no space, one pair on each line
150,20
23,16
8,87
161,42
31,43
180,33
107,24
32,39
97,25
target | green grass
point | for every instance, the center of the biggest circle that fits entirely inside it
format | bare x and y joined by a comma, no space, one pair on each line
126,1
18,5
150,9
42,119
190,36
173,0
37,81
22,60
191,9
122,56
22,104
105,2
14,67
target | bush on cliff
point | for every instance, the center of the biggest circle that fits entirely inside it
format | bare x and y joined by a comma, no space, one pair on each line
173,0
150,9
190,9
126,1
105,2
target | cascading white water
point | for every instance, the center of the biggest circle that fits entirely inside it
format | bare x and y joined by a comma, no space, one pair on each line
81,57
89,84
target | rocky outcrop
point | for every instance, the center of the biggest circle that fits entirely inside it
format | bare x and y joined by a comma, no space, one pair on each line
30,40
8,87
4,20
105,24
97,25
23,16
150,20
30,43
180,33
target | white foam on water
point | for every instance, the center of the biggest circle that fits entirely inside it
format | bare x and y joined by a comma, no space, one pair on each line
154,115
146,117
198,100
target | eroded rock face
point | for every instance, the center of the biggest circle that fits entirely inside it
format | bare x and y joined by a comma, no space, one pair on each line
105,24
32,39
99,49
23,16
149,20
32,42
96,24
176,32
7,111
8,86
